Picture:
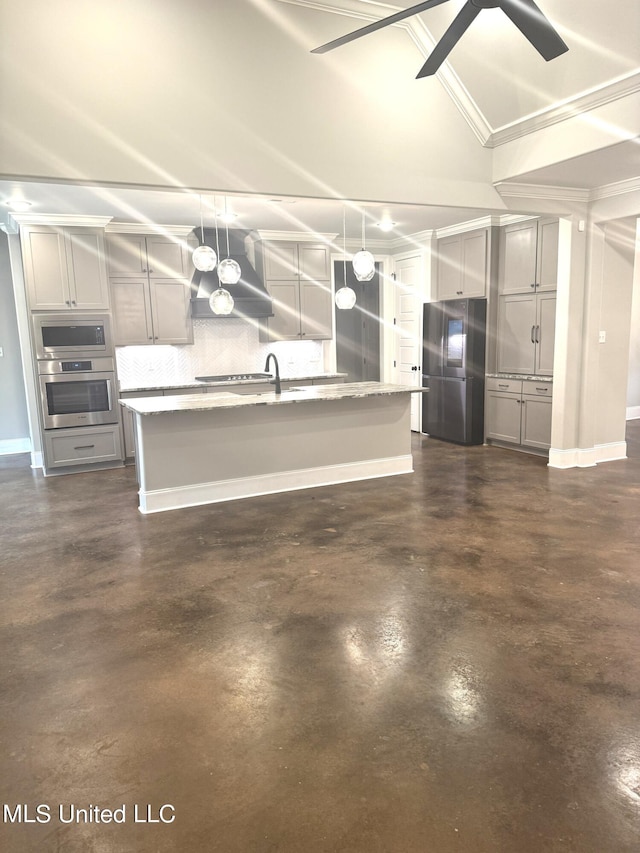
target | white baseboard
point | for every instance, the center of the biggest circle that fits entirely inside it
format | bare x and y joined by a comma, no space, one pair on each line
633,413
14,445
587,457
161,500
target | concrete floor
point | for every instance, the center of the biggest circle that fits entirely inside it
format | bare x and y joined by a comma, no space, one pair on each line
443,661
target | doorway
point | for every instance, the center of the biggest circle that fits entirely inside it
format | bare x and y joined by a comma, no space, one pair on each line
358,330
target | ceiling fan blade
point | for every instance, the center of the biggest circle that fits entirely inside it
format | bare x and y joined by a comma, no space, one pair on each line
457,29
378,25
534,26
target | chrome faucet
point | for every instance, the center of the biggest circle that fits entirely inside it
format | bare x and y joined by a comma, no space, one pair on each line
277,379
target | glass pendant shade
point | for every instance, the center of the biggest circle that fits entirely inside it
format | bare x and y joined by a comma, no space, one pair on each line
204,258
345,298
221,301
364,266
229,271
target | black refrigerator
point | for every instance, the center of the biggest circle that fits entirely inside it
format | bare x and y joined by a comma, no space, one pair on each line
453,359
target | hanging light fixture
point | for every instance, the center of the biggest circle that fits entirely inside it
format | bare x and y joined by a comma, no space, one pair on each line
345,296
203,257
221,301
364,265
229,271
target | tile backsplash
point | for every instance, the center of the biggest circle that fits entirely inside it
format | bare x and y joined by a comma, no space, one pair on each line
219,346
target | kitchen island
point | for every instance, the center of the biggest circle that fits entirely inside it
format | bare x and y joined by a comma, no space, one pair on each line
205,448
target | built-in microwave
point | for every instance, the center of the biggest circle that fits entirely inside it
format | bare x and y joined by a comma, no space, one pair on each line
80,335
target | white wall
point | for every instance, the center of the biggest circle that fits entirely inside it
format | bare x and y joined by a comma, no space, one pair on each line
633,387
220,96
14,425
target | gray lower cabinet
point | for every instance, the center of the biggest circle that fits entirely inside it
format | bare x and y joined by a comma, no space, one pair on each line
82,446
518,412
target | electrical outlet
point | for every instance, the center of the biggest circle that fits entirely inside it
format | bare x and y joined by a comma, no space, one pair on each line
1,352
602,338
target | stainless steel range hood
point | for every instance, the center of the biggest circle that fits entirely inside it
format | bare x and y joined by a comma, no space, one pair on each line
250,297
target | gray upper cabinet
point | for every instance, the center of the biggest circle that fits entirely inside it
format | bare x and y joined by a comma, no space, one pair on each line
150,292
462,265
152,255
526,337
298,278
529,257
65,268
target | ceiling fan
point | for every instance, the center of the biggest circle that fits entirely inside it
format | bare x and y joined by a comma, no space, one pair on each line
524,14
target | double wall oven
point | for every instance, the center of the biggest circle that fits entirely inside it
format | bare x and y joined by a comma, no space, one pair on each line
76,378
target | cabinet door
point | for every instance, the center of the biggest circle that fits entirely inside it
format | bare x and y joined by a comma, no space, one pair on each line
170,311
474,263
45,268
316,310
285,323
536,422
547,256
131,311
314,262
280,261
127,254
518,249
449,269
502,416
516,333
167,258
87,269
545,333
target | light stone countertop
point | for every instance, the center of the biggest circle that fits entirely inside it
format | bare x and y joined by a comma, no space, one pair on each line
223,383
227,400
526,377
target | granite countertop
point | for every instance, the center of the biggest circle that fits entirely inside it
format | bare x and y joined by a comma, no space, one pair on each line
228,400
223,383
532,377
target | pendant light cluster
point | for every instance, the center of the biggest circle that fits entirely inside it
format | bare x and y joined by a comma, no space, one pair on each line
345,296
205,259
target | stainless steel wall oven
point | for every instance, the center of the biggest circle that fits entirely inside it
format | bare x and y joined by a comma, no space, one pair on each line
79,392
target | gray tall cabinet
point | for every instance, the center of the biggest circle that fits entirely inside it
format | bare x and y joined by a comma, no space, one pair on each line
518,411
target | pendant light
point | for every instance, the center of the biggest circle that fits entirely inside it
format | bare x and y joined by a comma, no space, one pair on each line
203,257
221,301
345,296
229,271
364,265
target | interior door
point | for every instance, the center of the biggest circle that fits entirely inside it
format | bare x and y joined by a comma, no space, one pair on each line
408,304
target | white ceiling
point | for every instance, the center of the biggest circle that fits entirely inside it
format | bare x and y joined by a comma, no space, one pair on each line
500,72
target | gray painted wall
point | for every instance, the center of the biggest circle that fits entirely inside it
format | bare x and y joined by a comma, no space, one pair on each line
14,425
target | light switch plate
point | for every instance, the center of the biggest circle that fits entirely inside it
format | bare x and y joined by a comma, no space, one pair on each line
602,338
1,352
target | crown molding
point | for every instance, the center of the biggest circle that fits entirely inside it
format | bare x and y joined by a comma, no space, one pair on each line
469,225
631,185
295,236
507,189
60,220
591,99
149,228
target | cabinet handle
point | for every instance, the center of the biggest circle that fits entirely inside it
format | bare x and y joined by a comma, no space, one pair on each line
537,334
67,302
150,338
533,285
73,301
533,328
543,390
84,447
502,386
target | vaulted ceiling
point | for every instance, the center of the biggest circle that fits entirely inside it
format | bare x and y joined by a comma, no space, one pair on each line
131,110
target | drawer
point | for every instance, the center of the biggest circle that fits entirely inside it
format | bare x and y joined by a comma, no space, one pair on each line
82,446
512,386
537,389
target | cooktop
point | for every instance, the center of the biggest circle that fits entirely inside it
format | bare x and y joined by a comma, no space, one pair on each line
233,377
